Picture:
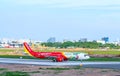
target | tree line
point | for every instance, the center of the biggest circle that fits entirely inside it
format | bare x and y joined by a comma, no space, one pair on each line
69,44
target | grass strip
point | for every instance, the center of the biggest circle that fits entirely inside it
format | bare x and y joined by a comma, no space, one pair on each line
14,73
58,68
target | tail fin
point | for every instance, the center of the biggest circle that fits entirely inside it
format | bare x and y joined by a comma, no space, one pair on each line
28,49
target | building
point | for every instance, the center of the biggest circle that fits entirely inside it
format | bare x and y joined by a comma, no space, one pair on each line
83,40
106,39
12,43
51,39
100,41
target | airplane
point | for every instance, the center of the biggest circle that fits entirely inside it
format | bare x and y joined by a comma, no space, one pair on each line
55,56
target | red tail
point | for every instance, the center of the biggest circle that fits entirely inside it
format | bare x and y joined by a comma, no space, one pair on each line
28,49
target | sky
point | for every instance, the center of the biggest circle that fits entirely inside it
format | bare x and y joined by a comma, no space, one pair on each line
62,19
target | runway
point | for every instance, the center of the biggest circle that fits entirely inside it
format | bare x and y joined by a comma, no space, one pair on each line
107,65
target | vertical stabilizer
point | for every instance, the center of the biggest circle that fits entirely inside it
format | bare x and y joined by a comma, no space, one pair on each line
28,49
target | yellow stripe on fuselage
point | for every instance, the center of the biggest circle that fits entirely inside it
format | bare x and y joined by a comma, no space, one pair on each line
26,51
